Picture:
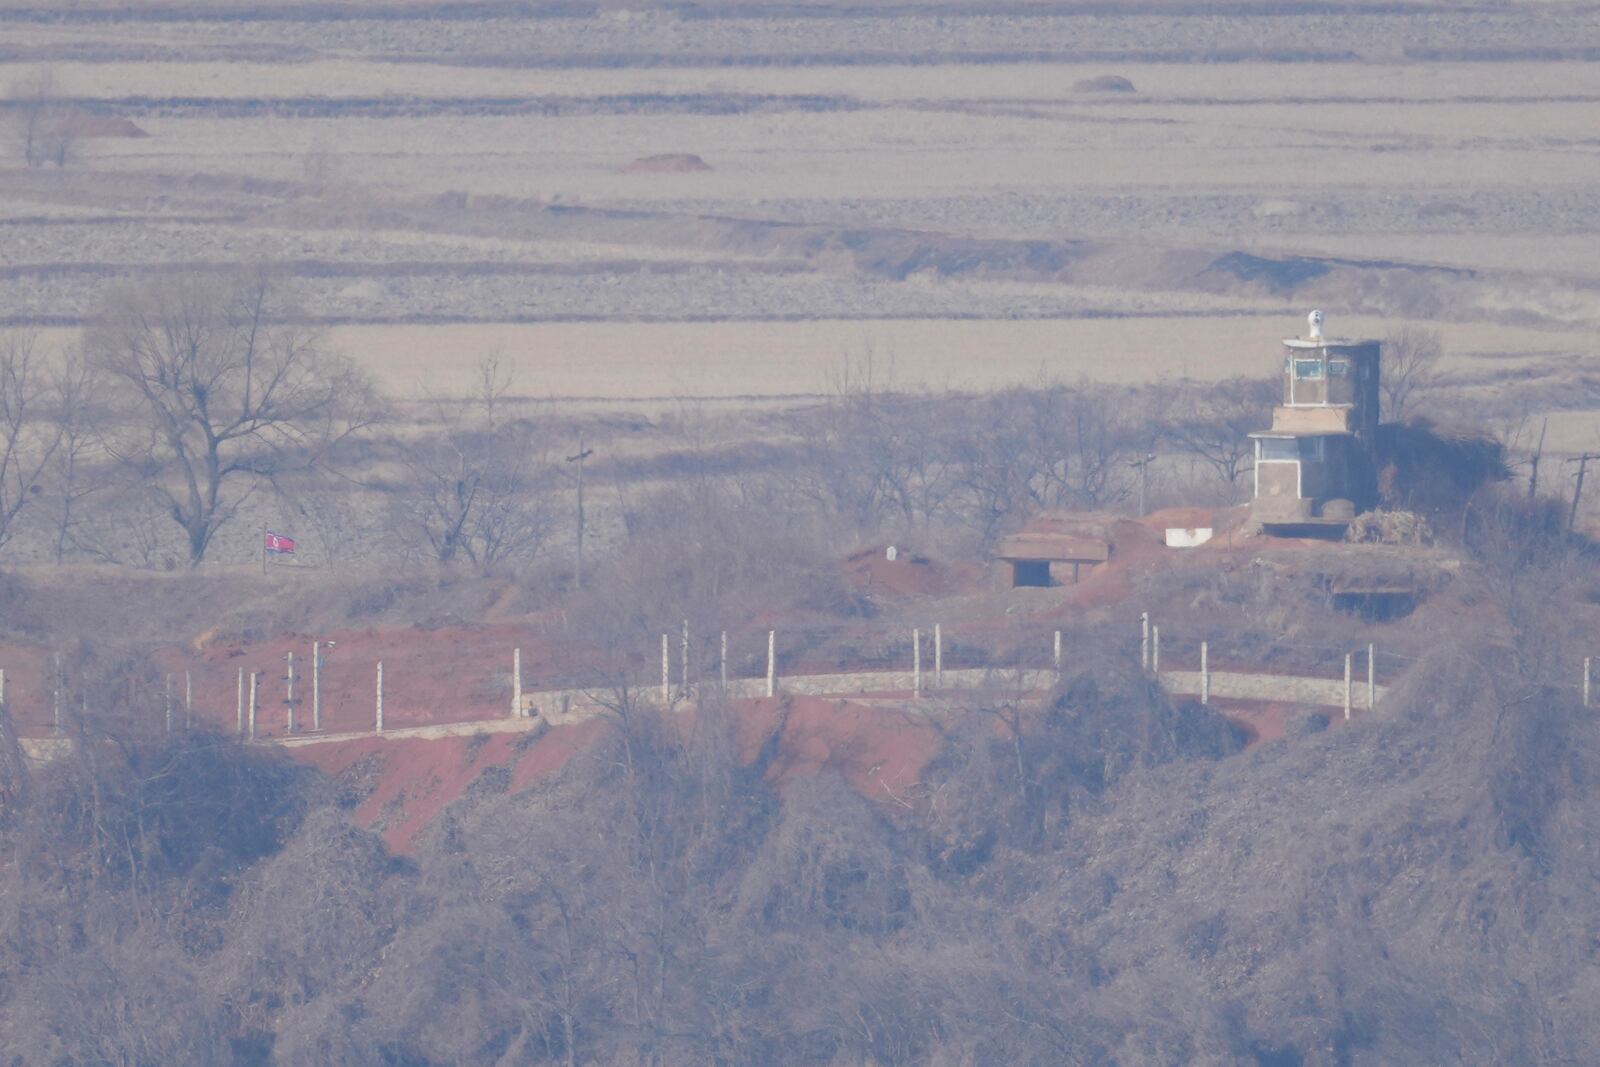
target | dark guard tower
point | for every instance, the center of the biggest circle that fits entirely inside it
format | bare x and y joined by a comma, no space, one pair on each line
1315,468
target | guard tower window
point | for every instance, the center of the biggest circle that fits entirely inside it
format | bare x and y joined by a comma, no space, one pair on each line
1338,368
1307,368
1291,448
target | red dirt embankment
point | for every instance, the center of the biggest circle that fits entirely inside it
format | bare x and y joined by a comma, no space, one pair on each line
408,782
871,573
412,780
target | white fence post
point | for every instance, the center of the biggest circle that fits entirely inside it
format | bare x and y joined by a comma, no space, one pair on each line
722,666
666,671
1372,679
288,689
1155,651
379,728
2,687
1347,658
1144,640
255,683
1057,655
168,700
938,656
516,683
772,663
1205,674
916,662
316,686
241,701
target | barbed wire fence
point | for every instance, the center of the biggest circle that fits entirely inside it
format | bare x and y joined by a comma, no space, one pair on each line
288,697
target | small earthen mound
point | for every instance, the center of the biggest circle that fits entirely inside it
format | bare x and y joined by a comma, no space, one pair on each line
671,163
1105,83
83,125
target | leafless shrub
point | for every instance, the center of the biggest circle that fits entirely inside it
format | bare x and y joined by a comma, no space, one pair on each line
29,436
1212,422
1410,368
479,486
43,128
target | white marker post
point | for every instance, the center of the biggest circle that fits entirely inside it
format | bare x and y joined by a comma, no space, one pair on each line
772,663
1205,674
168,699
666,671
288,691
1144,640
722,671
188,701
241,701
255,677
516,683
1057,657
2,687
938,656
380,697
1155,651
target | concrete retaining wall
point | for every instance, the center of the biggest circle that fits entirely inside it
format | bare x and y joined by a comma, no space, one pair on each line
576,705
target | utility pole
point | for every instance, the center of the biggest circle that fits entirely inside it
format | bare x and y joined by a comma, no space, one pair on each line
1533,469
583,454
1143,463
1577,490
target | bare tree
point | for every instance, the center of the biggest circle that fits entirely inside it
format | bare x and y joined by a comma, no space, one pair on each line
79,469
29,438
221,395
1410,366
1212,421
1024,450
43,126
474,489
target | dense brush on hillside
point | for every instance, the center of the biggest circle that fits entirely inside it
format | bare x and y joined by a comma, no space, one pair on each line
1109,879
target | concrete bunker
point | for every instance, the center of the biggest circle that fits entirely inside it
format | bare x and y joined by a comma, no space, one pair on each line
1055,550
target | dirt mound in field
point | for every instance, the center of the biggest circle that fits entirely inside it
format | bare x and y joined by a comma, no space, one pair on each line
669,163
1105,83
81,125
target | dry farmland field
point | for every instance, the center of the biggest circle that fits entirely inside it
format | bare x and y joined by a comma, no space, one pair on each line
946,184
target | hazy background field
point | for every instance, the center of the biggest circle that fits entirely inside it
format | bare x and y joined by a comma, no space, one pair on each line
931,182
